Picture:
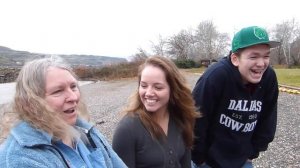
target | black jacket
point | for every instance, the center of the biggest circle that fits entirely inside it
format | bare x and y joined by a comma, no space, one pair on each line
238,120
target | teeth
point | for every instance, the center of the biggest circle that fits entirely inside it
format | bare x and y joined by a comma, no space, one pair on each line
150,101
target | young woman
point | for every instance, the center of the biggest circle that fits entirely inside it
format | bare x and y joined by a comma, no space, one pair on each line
158,128
47,130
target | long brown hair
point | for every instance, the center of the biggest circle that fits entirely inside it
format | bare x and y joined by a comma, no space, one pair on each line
181,104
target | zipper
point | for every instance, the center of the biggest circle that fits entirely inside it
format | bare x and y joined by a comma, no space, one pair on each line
61,155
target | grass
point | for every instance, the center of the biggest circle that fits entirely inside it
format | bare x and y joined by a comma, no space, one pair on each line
289,77
195,70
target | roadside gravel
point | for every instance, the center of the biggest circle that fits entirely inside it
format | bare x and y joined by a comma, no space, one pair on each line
105,100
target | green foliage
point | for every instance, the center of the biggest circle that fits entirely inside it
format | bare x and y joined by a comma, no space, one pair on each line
185,64
288,76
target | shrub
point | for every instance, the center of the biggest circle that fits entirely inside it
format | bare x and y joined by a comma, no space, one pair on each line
186,64
83,72
110,72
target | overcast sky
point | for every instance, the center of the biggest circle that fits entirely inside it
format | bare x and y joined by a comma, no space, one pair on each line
119,27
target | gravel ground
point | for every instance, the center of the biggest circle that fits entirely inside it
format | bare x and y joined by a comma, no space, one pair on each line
105,100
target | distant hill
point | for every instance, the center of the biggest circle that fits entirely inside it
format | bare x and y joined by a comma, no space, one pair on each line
14,58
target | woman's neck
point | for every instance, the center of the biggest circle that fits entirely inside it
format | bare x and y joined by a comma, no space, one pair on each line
162,119
68,142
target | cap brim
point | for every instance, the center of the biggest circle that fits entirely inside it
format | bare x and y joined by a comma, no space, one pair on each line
274,44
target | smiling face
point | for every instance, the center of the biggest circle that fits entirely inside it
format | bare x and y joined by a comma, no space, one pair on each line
154,89
62,93
252,62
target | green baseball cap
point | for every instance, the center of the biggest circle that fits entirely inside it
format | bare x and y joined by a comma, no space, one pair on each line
250,36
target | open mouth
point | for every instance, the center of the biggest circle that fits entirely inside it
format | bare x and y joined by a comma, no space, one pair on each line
69,111
257,73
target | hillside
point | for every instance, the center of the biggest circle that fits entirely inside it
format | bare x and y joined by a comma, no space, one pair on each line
14,58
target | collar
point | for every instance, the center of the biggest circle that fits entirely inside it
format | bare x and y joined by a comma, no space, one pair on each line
26,135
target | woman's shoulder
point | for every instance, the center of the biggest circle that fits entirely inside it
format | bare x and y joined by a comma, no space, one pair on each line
130,130
130,120
39,156
27,135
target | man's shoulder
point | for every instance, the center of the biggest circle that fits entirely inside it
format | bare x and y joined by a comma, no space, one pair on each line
218,71
220,66
269,76
270,71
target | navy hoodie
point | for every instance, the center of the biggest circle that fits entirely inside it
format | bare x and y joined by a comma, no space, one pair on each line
238,120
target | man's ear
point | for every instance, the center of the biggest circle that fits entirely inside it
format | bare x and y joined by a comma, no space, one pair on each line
234,59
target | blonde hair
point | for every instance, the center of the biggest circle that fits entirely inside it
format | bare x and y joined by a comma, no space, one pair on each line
29,104
181,103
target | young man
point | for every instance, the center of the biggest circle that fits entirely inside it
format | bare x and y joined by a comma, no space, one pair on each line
238,99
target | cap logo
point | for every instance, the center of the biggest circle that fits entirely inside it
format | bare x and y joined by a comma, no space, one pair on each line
260,33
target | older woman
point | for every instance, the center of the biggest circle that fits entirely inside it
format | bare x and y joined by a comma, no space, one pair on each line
158,128
47,129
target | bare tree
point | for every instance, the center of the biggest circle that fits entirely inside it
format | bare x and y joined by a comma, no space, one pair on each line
160,47
140,56
287,33
180,45
210,43
295,51
277,56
